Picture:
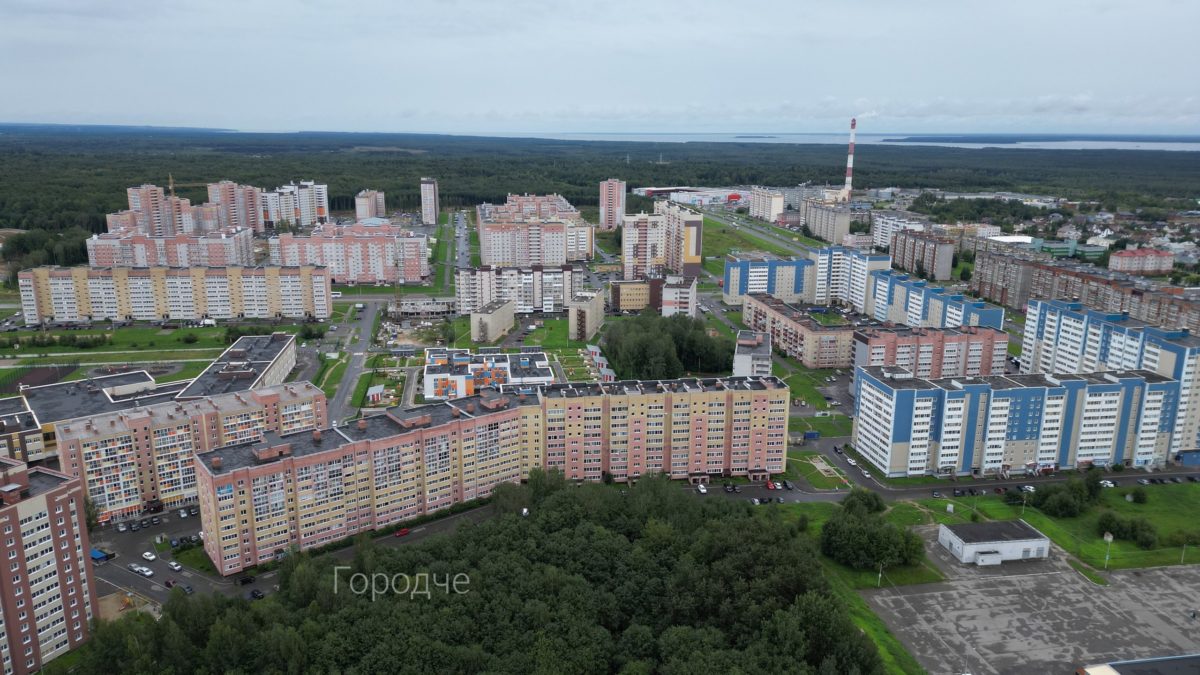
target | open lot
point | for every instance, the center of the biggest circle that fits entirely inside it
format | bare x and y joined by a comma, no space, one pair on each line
1039,616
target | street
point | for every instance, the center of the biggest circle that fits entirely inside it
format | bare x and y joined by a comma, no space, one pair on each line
339,407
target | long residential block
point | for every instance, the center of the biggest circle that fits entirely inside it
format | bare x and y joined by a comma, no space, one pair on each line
284,492
824,276
970,351
533,289
232,246
817,337
902,299
368,252
923,252
908,426
186,293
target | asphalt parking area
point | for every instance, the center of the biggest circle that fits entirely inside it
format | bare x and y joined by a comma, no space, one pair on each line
1041,617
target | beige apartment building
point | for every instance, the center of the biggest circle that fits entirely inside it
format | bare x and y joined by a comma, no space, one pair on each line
493,321
585,315
818,338
70,294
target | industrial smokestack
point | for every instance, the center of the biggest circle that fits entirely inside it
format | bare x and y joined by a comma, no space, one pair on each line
850,163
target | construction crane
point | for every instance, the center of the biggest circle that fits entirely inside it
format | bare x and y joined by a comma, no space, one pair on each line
171,184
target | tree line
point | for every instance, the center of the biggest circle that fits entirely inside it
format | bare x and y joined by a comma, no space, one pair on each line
641,580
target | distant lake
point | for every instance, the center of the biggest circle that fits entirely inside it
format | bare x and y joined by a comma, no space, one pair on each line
1032,141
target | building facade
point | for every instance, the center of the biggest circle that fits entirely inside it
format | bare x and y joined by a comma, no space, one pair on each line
186,293
302,204
457,373
430,201
643,246
923,254
827,221
239,205
823,276
49,593
766,204
132,248
885,225
680,296
684,238
370,204
1143,261
746,272
493,321
818,337
612,203
298,491
585,315
932,353
363,253
901,299
533,289
907,426
752,354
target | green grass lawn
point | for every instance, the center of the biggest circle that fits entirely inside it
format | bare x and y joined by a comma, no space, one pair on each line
834,426
607,240
197,559
720,239
476,261
206,355
1014,347
803,382
330,374
801,466
132,338
553,335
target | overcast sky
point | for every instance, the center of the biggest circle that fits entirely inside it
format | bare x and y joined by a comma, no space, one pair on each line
468,66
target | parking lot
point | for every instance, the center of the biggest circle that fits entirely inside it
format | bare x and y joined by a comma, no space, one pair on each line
1041,616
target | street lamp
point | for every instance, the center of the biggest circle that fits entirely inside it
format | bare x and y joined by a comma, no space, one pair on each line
1108,537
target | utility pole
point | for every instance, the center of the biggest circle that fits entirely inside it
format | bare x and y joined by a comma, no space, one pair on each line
879,582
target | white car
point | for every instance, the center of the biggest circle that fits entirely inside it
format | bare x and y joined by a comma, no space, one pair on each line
149,556
851,462
182,513
866,474
175,567
122,527
1028,488
701,489
1107,483
146,572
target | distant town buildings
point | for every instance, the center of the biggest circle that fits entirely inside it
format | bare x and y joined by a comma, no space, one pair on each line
302,205
612,203
232,246
533,230
923,253
75,294
370,204
827,221
909,426
766,204
239,205
430,204
533,289
1143,261
752,354
931,353
369,252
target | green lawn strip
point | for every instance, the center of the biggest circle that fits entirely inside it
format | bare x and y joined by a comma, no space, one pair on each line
801,464
476,261
834,426
195,558
1087,572
332,375
133,357
720,239
720,326
360,389
1014,347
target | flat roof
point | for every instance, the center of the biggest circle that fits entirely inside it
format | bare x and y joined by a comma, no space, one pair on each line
1167,665
995,531
636,387
491,307
43,480
81,398
753,342
240,366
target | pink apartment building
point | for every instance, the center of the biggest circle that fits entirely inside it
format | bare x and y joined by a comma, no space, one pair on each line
363,253
931,353
231,247
1147,261
612,203
238,205
370,204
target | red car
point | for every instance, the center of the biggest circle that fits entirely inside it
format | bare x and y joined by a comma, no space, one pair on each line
402,531
770,485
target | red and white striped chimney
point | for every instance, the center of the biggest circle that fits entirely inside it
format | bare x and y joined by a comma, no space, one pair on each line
850,163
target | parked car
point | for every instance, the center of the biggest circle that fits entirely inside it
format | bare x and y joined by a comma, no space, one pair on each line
146,572
737,488
769,485
194,511
1192,479
169,583
183,513
156,520
1107,483
149,556
937,494
145,523
402,532
122,527
175,567
134,567
787,485
1028,488
248,579
257,594
187,589
958,492
779,500
134,527
1143,481
754,501
1176,479
866,474
174,543
701,489
851,462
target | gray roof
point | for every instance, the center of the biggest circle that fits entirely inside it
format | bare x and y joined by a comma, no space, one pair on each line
747,343
240,366
42,480
995,531
69,400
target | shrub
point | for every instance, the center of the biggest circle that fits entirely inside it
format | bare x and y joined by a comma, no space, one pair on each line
1139,495
190,339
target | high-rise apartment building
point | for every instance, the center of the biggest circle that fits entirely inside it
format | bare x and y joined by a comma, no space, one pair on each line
239,205
429,201
643,246
302,204
827,221
684,238
923,253
230,247
932,353
612,203
184,293
370,204
533,289
766,204
362,253
906,300
823,276
48,592
885,225
533,230
281,492
157,214
908,426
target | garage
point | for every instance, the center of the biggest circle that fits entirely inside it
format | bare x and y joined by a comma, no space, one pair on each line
993,543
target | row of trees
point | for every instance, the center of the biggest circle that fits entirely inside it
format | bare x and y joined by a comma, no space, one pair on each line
996,211
59,340
858,536
652,347
1063,500
594,580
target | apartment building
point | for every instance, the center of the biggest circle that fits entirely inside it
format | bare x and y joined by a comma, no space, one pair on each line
636,295
1014,278
680,295
370,204
130,458
492,321
230,247
827,221
842,276
932,353
370,252
185,293
612,203
1065,336
766,204
49,593
251,362
302,204
585,315
901,299
430,201
824,276
457,373
923,253
297,491
1143,261
752,354
684,238
643,246
817,337
886,224
1015,424
238,205
533,289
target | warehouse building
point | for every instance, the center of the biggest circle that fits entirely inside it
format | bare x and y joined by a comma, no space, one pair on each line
992,543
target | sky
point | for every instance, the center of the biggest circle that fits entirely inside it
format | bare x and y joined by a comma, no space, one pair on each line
516,66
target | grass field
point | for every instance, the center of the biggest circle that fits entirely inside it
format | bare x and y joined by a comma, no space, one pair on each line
553,335
803,382
329,375
800,462
834,426
476,261
206,355
720,239
195,558
607,240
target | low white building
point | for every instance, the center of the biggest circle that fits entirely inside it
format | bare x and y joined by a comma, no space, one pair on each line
992,543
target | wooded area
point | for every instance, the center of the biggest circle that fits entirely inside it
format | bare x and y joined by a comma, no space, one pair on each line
596,579
652,347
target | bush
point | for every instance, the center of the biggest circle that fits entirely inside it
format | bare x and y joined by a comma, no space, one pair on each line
868,500
190,339
1118,468
1138,530
1139,495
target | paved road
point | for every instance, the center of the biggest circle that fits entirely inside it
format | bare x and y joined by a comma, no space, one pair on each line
339,407
411,375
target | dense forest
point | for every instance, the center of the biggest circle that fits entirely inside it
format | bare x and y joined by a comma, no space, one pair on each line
995,211
652,347
594,580
58,177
